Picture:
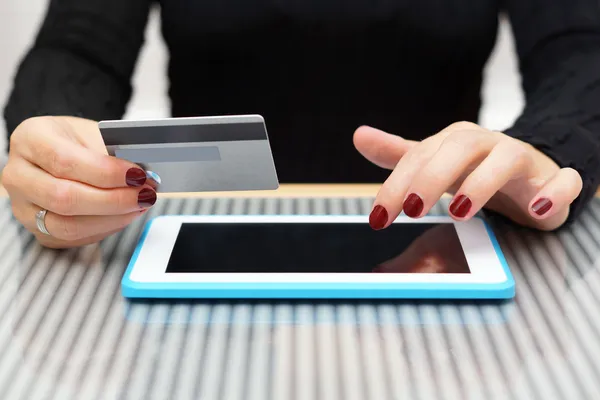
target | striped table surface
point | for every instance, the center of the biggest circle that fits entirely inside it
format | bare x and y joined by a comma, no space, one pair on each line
67,333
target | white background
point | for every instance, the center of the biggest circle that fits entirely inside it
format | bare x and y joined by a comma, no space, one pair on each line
19,21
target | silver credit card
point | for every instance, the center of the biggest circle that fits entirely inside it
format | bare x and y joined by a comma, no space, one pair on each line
197,154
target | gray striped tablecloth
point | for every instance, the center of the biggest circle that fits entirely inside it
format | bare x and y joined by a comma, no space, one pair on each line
66,332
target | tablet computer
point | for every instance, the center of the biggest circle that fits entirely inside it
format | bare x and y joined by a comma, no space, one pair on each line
258,256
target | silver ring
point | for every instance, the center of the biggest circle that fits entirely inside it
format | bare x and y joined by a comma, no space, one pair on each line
40,220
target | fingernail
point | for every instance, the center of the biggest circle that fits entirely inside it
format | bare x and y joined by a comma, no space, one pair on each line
460,206
413,206
146,198
153,179
541,206
378,217
135,177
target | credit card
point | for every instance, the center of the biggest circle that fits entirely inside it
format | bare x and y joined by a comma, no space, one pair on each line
197,154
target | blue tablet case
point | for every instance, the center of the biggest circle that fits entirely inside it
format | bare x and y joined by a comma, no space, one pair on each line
133,289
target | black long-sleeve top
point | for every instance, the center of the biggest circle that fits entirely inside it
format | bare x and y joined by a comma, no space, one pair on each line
316,70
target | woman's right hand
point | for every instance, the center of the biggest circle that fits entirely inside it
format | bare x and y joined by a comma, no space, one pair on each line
60,164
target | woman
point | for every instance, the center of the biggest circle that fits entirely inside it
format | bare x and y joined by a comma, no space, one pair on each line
404,73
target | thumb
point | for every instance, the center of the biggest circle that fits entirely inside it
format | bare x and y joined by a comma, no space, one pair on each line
84,131
381,148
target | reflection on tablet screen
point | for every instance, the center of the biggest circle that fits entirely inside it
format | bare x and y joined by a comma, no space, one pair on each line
317,248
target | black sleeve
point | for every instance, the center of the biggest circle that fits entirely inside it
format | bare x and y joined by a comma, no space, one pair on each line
81,61
558,44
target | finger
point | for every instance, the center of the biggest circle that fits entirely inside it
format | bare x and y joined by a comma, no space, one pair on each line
87,132
79,227
381,148
66,159
458,152
385,150
153,180
508,160
67,197
418,178
388,202
555,197
73,228
53,243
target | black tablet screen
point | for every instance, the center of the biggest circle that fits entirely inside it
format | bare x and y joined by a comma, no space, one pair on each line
317,247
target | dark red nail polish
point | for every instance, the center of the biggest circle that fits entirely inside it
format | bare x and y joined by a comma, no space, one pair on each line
413,206
460,206
146,198
541,206
378,217
135,177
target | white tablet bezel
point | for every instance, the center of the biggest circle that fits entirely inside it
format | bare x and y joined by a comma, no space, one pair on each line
150,265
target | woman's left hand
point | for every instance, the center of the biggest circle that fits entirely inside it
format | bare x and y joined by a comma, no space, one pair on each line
481,168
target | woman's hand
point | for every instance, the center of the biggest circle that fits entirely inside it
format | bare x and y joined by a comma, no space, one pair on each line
479,167
60,164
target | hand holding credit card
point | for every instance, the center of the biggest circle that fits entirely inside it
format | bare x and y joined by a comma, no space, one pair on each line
197,154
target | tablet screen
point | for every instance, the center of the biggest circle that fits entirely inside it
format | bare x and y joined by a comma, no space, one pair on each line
317,248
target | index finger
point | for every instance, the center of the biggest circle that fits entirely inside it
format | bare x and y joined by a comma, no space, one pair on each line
66,159
381,148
